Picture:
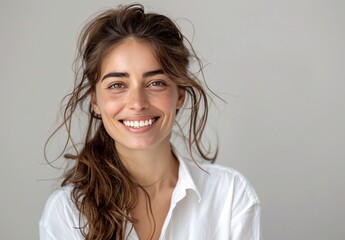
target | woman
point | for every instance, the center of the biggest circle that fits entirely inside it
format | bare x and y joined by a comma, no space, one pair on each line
128,182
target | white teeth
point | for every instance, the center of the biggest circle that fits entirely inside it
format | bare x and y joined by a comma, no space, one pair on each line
139,124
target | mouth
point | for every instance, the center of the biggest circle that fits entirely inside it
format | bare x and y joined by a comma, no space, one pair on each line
139,123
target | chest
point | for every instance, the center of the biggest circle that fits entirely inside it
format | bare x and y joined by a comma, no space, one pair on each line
151,214
186,219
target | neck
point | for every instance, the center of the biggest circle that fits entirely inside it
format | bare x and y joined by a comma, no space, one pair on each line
154,169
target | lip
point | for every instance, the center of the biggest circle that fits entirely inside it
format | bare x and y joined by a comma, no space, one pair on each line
139,124
139,118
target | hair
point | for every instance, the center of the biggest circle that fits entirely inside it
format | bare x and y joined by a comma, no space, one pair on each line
103,190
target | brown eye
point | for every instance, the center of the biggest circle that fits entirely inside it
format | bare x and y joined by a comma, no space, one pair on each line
116,85
157,84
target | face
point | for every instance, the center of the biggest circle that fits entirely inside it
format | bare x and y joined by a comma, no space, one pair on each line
136,100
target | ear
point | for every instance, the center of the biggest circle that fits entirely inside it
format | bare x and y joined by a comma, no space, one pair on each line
181,97
94,103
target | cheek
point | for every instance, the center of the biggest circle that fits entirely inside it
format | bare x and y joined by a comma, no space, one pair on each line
109,106
168,101
167,104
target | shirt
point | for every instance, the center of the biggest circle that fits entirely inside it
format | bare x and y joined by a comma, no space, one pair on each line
217,203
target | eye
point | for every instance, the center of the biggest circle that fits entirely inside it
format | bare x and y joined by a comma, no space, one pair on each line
116,85
157,83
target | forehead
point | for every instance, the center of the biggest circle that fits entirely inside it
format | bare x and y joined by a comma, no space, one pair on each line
130,55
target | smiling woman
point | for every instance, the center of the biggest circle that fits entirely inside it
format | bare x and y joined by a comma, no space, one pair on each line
128,181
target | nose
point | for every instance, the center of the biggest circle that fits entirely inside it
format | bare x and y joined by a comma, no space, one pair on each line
137,99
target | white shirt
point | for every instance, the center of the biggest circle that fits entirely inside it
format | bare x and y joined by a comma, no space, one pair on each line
217,204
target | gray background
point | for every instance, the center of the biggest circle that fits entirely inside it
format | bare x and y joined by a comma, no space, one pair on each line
279,64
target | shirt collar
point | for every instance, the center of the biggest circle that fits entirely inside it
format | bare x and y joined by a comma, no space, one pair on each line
185,180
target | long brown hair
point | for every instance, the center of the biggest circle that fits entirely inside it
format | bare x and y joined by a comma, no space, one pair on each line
103,190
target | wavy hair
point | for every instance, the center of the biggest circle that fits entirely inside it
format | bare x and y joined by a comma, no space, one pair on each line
103,190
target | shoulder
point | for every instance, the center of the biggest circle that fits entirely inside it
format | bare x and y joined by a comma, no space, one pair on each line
59,199
60,216
222,180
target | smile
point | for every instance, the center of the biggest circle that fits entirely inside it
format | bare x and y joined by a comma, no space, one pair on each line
139,124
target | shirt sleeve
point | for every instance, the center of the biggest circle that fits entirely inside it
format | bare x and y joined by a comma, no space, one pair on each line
60,218
245,223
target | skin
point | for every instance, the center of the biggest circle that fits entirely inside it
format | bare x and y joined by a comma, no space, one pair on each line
133,88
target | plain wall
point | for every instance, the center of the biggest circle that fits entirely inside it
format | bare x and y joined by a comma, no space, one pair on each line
280,65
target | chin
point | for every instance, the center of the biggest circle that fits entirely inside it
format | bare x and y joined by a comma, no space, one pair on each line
138,146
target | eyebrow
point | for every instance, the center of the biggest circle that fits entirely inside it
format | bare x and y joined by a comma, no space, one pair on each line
125,74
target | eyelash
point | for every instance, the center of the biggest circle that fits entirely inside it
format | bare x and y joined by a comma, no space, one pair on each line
156,83
116,85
